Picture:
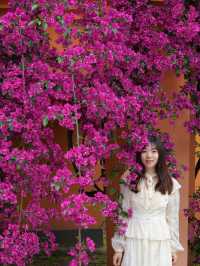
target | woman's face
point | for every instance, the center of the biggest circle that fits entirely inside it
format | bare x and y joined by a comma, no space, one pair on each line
149,156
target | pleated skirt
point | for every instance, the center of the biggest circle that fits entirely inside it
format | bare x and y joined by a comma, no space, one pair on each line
145,252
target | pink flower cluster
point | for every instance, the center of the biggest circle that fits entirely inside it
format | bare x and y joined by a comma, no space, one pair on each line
81,253
6,194
18,247
49,244
76,208
192,213
101,89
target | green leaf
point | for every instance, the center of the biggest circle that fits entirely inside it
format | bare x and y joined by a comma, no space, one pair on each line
31,43
10,126
14,159
34,6
132,169
112,191
142,63
186,61
67,32
170,50
177,71
174,116
59,116
58,88
45,25
129,142
122,182
60,20
59,59
45,121
114,30
57,186
46,85
113,174
38,22
124,214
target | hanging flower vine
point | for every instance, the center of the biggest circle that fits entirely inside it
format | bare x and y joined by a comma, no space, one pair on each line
106,78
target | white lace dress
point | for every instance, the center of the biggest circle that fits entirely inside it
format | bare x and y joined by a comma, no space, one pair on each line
152,234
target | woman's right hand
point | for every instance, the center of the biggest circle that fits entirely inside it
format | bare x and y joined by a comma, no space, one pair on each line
117,258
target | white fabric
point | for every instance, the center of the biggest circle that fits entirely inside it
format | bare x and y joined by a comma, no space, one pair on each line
172,215
153,228
140,252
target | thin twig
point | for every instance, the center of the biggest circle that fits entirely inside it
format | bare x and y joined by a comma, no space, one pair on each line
78,144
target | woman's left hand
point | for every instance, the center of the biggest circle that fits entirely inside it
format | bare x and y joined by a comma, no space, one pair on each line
174,258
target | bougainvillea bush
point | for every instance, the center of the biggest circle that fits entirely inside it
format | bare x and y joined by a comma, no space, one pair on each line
104,79
193,213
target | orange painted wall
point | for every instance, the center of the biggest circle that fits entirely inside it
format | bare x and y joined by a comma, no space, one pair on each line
183,151
3,4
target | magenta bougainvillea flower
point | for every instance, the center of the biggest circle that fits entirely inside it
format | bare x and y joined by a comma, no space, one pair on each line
102,85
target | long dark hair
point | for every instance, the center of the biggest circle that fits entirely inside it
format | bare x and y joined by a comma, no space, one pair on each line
164,184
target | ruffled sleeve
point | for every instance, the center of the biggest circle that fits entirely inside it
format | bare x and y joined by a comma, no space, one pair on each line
118,241
173,217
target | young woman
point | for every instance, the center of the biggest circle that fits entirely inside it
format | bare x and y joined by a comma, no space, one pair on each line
152,234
